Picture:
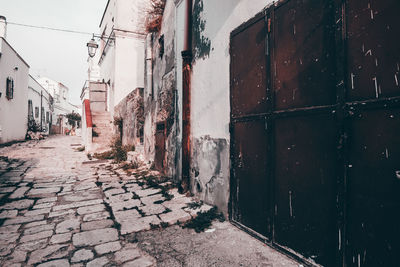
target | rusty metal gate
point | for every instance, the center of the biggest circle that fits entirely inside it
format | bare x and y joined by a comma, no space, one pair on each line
315,114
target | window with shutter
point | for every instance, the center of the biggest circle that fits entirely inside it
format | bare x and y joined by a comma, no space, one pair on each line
10,88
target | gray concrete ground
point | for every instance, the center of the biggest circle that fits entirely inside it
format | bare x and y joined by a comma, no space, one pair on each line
57,208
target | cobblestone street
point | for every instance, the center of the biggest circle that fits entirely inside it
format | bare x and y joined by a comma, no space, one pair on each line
60,209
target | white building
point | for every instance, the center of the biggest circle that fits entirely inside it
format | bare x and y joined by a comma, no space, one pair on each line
121,51
115,71
62,106
40,106
14,73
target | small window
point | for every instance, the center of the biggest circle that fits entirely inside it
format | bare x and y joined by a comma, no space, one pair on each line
30,110
10,88
141,137
47,117
36,112
161,45
42,114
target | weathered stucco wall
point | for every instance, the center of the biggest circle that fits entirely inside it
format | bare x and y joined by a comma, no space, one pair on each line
213,21
13,112
161,93
130,110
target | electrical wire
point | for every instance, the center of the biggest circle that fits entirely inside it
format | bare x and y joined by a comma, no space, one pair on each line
70,31
49,28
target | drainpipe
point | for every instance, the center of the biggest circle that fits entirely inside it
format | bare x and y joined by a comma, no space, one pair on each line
186,88
149,64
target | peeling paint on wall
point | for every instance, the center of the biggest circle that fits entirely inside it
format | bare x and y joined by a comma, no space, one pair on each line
130,110
161,96
201,43
210,171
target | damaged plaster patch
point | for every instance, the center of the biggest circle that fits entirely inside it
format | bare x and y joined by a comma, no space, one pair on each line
201,44
166,98
210,170
131,110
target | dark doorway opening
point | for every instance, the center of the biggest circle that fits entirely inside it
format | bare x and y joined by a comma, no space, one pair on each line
160,146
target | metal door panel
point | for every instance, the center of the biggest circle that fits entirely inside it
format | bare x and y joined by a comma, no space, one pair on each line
248,64
373,49
324,180
304,54
250,173
305,186
373,230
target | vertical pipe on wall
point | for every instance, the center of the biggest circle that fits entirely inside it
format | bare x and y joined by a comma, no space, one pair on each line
186,88
41,111
149,64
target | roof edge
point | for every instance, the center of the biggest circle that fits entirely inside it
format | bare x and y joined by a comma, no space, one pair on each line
104,13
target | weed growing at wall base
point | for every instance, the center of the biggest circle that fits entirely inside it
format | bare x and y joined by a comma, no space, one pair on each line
204,220
118,152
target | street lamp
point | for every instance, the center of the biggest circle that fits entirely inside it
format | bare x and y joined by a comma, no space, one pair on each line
92,47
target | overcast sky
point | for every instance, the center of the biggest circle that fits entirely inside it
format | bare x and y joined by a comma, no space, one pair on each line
60,56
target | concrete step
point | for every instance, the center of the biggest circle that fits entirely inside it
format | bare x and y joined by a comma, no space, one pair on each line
101,120
104,136
103,130
101,116
106,127
103,123
101,139
105,115
100,112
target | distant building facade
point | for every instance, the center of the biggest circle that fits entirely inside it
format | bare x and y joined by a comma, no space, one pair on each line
40,106
62,106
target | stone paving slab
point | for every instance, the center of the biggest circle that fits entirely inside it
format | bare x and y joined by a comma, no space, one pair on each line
55,263
18,204
107,247
93,225
58,211
60,238
8,214
94,237
140,224
21,219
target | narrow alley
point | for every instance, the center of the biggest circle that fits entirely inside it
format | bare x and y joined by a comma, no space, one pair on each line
58,208
200,133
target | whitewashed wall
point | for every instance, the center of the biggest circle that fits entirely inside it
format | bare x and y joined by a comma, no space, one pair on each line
210,104
129,65
122,64
13,112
